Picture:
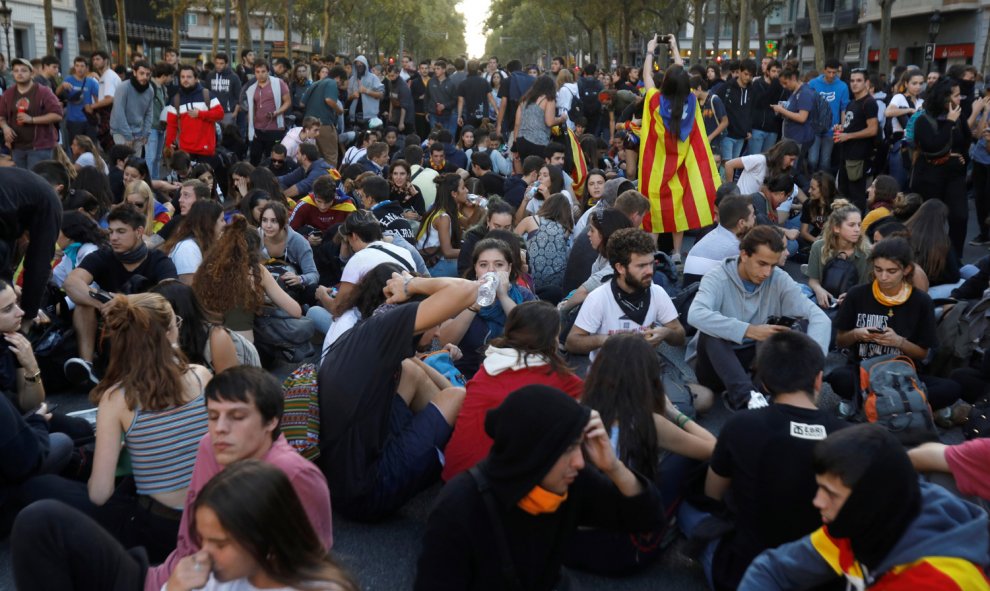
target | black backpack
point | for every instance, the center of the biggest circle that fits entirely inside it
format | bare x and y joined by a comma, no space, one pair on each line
839,274
822,120
588,93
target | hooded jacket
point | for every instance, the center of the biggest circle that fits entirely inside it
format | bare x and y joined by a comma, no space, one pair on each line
944,547
226,86
724,309
369,105
133,111
196,135
739,106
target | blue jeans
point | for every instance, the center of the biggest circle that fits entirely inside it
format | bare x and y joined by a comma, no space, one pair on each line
761,142
26,159
820,156
688,518
153,152
731,148
444,268
321,317
448,121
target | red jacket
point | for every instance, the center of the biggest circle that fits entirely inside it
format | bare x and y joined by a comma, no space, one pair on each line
470,444
196,135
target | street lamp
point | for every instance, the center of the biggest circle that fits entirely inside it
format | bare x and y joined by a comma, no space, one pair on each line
5,14
934,24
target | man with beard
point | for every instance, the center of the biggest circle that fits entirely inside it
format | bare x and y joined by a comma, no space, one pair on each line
127,266
29,116
364,90
101,109
745,300
133,106
192,117
883,528
630,302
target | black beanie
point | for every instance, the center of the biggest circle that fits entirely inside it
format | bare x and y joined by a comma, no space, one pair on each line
530,430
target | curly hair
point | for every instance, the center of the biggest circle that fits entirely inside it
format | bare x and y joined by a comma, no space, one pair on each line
230,274
140,323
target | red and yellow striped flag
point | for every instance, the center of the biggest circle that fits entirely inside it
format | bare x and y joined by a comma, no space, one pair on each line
579,173
678,177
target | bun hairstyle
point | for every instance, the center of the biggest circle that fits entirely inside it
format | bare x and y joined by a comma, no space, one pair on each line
141,323
840,203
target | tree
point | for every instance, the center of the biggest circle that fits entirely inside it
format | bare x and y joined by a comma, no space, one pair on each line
762,9
886,8
243,26
698,43
49,29
816,34
122,34
744,35
97,30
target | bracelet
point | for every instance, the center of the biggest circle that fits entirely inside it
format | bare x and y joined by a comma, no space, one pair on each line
405,284
474,308
682,419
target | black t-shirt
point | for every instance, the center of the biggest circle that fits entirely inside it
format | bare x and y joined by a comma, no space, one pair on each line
474,90
767,455
357,382
111,275
389,213
857,114
913,320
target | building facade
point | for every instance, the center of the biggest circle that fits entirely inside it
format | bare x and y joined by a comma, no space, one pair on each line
27,33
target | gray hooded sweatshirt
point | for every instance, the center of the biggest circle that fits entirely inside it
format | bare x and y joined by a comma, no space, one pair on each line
369,105
724,308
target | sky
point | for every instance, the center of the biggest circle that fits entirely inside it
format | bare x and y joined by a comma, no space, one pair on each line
475,12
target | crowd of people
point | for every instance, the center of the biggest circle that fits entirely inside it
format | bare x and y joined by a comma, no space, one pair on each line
528,285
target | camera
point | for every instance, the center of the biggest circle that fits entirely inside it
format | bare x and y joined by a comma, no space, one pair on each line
668,39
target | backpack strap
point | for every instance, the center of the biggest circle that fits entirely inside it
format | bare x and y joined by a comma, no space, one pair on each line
508,567
418,172
401,260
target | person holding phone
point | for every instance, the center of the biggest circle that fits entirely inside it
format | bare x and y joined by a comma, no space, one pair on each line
884,317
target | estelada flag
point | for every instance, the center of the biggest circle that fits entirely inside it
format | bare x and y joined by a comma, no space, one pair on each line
574,161
676,169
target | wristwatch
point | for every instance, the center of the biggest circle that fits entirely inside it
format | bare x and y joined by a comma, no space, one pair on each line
34,378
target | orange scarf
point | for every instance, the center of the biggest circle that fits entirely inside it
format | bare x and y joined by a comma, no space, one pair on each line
540,500
891,301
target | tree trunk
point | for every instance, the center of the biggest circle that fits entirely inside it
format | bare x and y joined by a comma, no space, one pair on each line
264,27
122,44
49,29
216,35
287,33
698,43
816,35
744,29
97,29
734,53
603,30
761,31
176,33
243,27
718,29
623,33
325,35
886,8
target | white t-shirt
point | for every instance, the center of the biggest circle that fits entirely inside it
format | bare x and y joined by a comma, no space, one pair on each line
109,82
753,174
65,266
186,257
600,314
900,101
368,258
87,159
292,142
424,182
341,324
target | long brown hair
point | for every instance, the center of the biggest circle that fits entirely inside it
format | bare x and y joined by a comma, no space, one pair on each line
230,274
257,506
532,328
929,239
140,323
199,224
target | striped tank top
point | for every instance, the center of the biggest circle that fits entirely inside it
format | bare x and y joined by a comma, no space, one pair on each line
163,443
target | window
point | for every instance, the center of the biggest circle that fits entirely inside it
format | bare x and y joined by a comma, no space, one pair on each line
192,19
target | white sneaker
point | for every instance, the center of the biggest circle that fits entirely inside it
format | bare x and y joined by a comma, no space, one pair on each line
80,372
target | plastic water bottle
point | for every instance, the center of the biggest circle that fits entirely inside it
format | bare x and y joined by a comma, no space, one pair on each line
488,290
533,189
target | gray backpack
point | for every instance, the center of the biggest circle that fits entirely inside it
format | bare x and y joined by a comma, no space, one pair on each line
894,396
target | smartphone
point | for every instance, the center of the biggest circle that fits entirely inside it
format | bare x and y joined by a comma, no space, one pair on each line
100,295
782,321
875,330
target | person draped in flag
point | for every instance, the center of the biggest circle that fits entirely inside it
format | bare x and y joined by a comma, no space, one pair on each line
676,169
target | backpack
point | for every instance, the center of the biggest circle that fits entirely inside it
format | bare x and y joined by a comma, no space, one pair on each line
823,114
682,303
246,352
588,93
547,248
577,108
301,412
519,83
276,334
839,274
909,128
960,332
894,396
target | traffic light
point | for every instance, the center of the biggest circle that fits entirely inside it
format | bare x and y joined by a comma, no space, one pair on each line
771,46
